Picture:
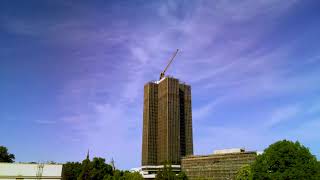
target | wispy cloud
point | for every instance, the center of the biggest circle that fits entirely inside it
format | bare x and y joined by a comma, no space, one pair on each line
214,58
231,54
283,114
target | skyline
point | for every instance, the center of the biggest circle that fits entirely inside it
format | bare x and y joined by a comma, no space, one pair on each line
72,74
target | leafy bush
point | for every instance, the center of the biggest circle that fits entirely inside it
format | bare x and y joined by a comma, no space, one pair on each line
286,160
5,156
244,173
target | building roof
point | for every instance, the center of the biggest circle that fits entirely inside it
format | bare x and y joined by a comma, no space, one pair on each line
30,170
217,155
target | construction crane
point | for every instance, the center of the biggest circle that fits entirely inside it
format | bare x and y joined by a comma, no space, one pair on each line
162,74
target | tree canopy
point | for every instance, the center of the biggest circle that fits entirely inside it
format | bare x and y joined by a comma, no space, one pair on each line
97,169
166,173
5,156
286,160
244,173
71,170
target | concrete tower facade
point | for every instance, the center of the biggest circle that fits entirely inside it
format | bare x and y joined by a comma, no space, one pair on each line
167,122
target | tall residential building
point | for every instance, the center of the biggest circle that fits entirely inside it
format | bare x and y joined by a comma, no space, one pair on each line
167,122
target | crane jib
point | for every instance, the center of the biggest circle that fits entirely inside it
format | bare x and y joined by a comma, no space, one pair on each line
162,74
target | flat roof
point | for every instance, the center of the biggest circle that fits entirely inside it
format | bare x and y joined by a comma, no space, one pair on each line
216,155
30,170
31,163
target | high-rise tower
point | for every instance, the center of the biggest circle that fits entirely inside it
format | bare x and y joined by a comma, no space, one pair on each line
167,122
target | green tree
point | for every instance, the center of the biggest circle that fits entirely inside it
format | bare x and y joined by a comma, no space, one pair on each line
99,169
5,156
116,175
201,178
132,176
182,176
244,173
71,170
86,169
96,169
166,173
286,160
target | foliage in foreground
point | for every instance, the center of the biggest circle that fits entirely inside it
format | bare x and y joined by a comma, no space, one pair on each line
96,169
244,173
5,156
166,173
286,160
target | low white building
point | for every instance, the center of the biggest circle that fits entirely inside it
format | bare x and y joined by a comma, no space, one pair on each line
150,172
20,171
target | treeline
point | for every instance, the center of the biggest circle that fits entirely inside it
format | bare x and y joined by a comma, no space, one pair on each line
97,169
281,160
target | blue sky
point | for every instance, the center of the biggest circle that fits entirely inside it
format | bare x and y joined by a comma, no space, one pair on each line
72,74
